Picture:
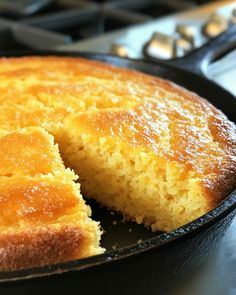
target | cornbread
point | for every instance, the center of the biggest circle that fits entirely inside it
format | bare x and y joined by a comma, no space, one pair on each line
141,145
43,216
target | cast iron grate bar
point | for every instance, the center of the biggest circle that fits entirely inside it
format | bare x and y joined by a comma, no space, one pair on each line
45,24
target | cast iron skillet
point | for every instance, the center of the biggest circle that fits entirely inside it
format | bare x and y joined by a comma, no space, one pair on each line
155,263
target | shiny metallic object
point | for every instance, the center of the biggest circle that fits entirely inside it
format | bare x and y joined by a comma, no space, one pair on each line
216,25
161,46
182,47
187,32
119,50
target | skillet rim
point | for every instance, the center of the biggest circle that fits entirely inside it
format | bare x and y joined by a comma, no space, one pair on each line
225,208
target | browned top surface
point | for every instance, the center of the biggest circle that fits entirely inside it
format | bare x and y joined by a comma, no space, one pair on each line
35,201
138,109
28,152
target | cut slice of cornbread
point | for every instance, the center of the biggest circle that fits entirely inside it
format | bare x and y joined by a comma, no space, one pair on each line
43,216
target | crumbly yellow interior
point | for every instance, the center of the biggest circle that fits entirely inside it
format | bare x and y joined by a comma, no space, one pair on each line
130,180
140,145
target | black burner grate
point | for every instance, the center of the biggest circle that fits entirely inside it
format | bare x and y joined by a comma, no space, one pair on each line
44,24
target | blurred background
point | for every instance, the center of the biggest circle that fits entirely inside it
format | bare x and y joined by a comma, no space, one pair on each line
46,24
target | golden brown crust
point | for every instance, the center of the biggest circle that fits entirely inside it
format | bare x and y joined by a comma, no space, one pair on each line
41,246
49,80
36,200
21,153
137,109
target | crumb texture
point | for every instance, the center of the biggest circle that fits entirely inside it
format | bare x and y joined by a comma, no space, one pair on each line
141,145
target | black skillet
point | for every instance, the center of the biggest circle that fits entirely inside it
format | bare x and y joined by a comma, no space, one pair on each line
152,265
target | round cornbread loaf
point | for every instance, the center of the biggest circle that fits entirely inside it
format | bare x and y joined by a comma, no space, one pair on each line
159,154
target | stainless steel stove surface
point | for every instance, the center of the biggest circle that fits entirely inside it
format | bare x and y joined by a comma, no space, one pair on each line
67,21
169,28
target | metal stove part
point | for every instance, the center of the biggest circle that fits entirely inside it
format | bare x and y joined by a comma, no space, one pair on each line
147,9
16,36
126,10
77,19
23,7
187,32
165,47
82,20
93,19
73,12
112,19
140,5
120,50
139,34
161,46
37,38
216,25
182,47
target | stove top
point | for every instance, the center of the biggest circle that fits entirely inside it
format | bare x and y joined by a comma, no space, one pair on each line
27,24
